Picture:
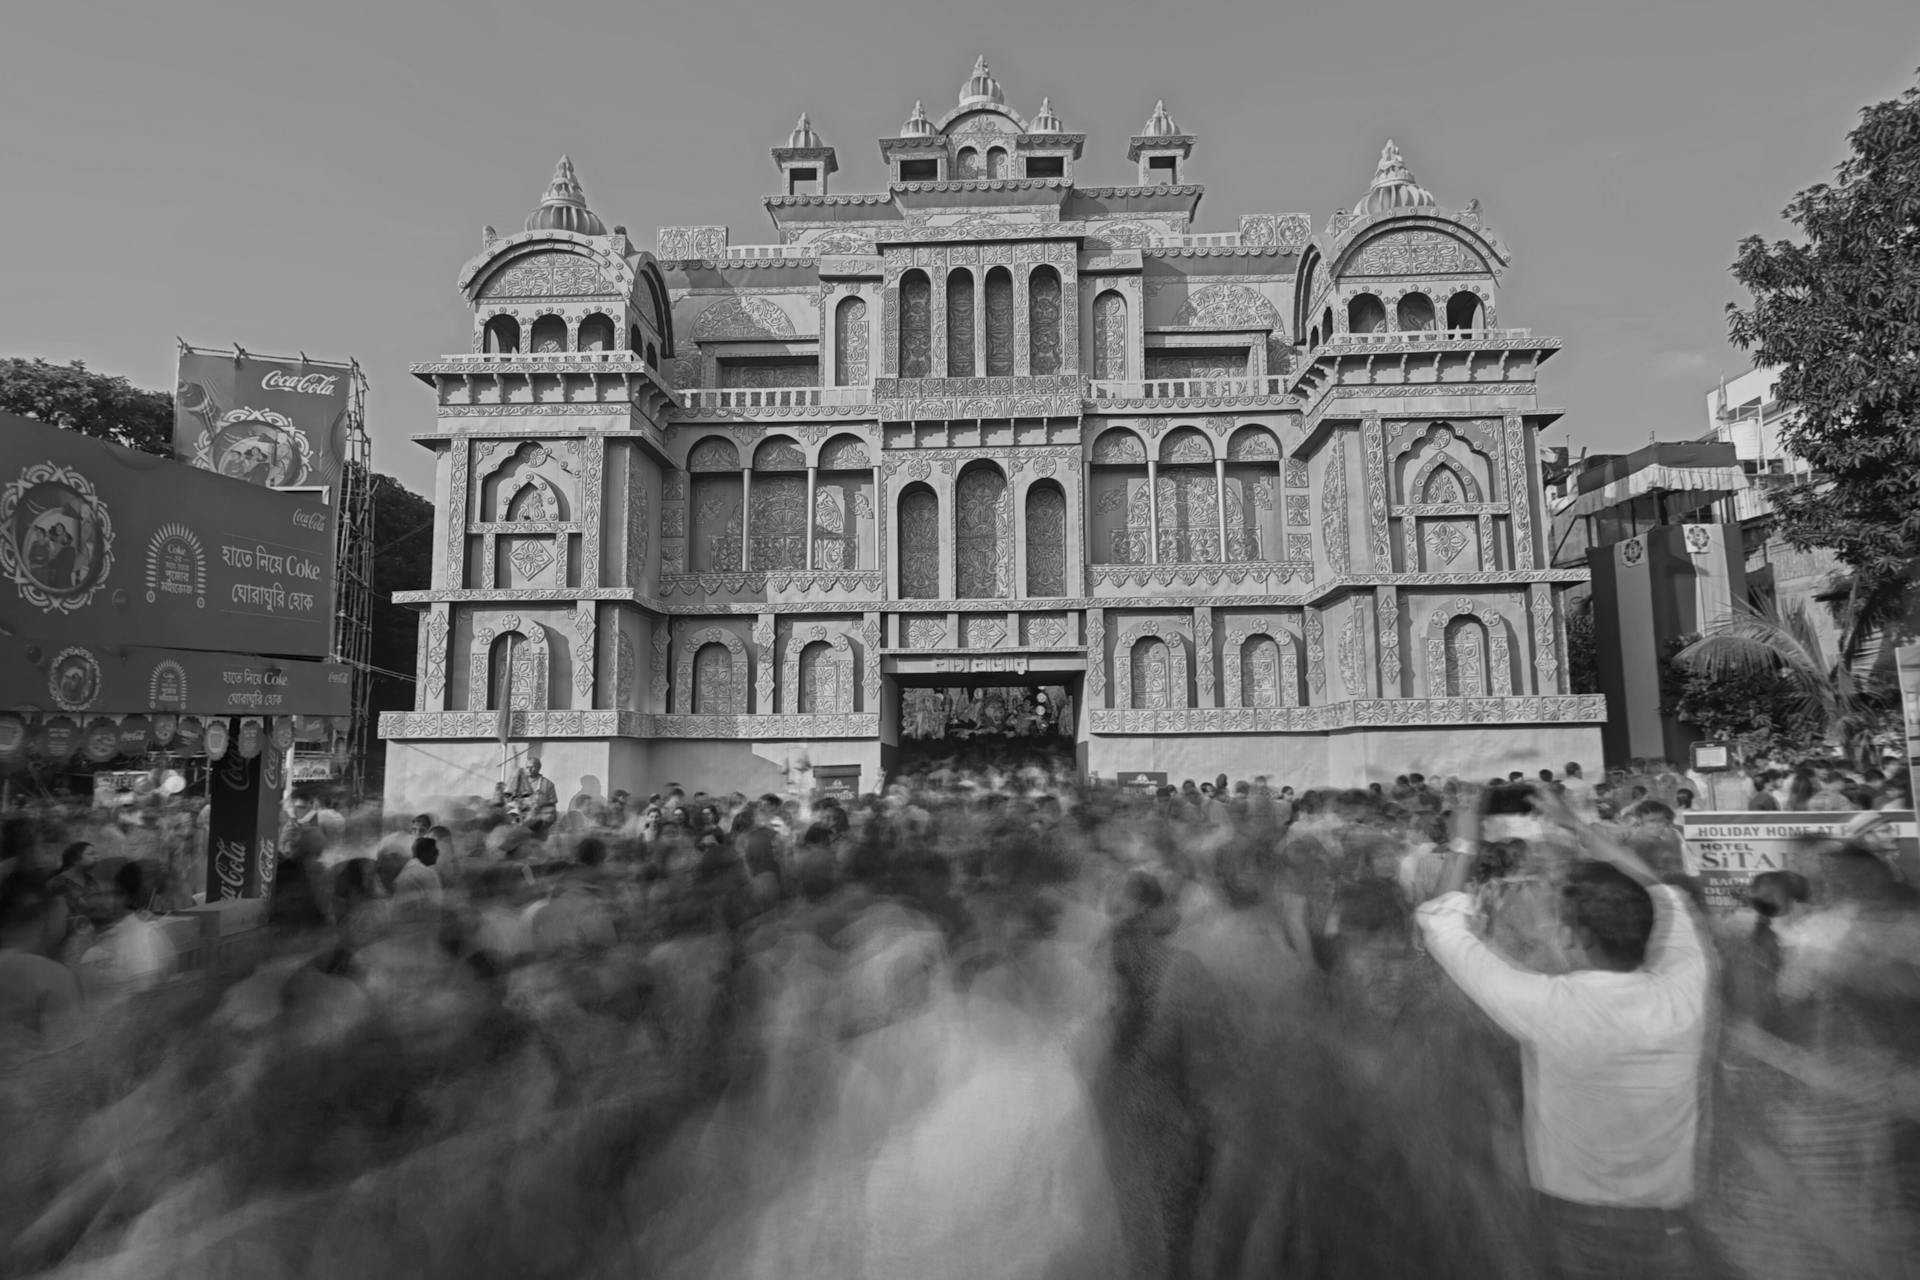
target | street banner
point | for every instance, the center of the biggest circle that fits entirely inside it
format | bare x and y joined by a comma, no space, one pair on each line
1732,848
276,423
93,680
101,545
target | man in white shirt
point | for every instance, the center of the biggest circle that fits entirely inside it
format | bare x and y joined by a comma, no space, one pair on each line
1612,1053
417,890
132,954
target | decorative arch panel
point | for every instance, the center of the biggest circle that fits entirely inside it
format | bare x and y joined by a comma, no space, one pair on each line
705,685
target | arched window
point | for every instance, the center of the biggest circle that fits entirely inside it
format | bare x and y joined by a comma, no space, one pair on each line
916,325
999,322
1366,314
634,343
850,343
653,357
713,681
1466,658
1109,337
1043,320
513,689
820,691
959,324
997,163
966,165
549,334
1152,675
1464,313
982,547
1046,540
596,333
1326,324
919,544
1260,684
502,335
1415,313
1313,337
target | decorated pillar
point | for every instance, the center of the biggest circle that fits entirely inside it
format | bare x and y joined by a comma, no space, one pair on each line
245,791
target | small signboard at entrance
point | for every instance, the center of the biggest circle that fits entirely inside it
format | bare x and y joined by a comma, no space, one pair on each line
1145,781
1733,848
839,782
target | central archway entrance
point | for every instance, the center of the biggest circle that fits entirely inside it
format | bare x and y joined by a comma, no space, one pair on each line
977,721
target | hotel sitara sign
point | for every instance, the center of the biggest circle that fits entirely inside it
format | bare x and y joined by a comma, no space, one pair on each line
101,545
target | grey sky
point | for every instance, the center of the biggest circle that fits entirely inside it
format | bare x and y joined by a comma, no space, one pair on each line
310,177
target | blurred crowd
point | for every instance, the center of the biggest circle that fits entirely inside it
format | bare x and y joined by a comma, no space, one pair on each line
995,1022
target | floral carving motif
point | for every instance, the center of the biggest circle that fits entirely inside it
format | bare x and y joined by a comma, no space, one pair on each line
547,275
916,326
1467,643
960,324
1186,445
1353,653
999,324
1299,511
1387,609
584,651
850,343
1253,444
1519,487
742,317
1096,657
919,545
779,455
1046,630
1150,668
1109,336
1043,321
925,631
1333,509
1119,447
714,454
1446,541
983,535
1228,306
1046,541
1287,232
1316,652
1295,473
436,655
708,242
1546,649
658,663
1374,459
982,631
1414,253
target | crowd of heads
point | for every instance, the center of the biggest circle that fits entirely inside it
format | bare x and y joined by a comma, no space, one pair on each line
993,1020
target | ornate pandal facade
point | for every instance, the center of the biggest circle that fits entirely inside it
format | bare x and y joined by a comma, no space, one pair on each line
1266,500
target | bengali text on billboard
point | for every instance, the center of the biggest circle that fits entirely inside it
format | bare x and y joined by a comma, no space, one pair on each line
101,545
279,423
81,680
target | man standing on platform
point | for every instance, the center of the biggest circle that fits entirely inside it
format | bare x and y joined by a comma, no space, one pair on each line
532,790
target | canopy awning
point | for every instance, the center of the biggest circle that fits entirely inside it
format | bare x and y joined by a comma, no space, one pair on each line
1705,469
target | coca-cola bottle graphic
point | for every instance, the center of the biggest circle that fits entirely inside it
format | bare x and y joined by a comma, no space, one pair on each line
195,399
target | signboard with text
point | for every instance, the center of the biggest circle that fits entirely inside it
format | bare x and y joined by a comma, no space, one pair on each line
1734,847
101,545
838,782
273,423
80,679
1145,781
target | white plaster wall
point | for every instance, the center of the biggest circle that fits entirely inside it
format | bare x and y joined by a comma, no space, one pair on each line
1351,759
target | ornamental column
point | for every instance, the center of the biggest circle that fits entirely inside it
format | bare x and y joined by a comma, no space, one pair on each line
746,517
813,477
1220,503
1153,510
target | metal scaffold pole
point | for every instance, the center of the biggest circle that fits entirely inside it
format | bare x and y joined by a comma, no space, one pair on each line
353,634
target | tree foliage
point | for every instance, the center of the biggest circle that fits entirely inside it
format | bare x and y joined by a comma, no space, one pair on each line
1760,678
402,561
1839,315
99,405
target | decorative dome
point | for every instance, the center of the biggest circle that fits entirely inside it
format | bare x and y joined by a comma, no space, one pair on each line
981,88
1161,125
1393,186
918,126
565,206
1046,121
803,136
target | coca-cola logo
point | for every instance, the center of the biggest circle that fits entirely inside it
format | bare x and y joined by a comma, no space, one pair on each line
311,384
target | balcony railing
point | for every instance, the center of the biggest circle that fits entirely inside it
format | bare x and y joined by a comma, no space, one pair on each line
772,552
1209,240
769,251
767,399
546,357
1188,389
1397,337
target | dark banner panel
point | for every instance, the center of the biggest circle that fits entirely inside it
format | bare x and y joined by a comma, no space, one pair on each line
96,680
100,545
243,824
277,423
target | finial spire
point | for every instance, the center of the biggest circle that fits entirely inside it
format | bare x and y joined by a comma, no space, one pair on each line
564,207
981,87
1393,186
1392,168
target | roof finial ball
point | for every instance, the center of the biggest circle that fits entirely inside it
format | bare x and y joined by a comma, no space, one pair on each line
981,88
564,208
917,125
803,135
1046,121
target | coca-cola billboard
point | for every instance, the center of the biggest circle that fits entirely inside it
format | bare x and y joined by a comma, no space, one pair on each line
270,422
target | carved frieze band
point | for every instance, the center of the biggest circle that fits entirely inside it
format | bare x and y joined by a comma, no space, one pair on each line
1357,713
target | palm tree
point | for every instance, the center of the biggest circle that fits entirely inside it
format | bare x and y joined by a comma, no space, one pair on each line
1769,639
